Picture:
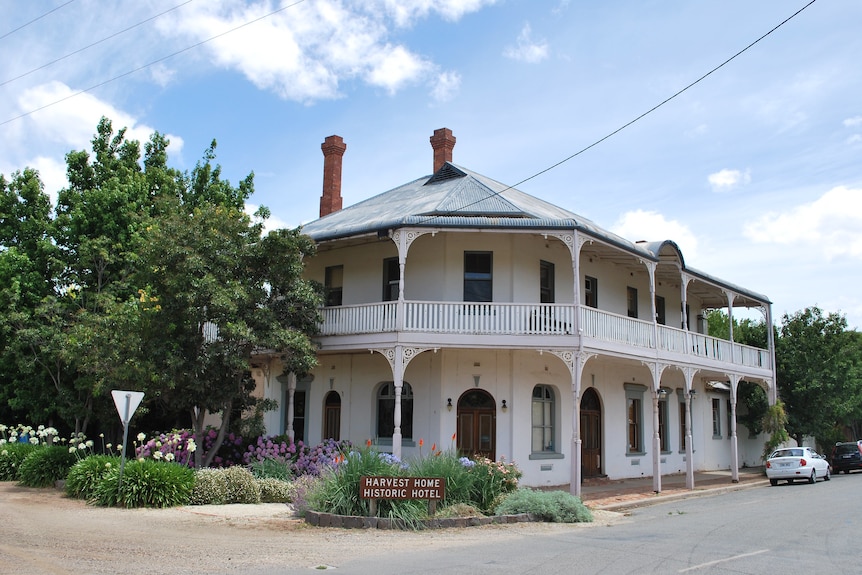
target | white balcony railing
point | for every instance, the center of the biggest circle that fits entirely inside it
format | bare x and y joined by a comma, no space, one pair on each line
532,319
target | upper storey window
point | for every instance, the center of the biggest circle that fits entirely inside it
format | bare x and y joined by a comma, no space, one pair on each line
546,282
333,283
478,283
391,277
591,291
632,301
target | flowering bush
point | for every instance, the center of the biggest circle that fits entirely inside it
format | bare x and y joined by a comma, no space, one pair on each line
318,459
86,474
11,457
176,446
493,479
477,482
241,486
45,465
146,483
26,434
210,487
274,490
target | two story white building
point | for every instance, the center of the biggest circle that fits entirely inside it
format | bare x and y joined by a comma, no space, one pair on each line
466,313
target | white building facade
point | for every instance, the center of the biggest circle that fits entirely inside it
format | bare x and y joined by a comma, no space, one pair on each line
464,313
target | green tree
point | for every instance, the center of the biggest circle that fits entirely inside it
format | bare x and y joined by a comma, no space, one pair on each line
218,292
818,373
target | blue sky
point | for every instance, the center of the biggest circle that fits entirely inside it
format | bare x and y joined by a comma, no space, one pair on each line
756,171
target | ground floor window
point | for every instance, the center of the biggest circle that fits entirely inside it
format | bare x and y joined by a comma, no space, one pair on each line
543,419
634,418
716,418
386,410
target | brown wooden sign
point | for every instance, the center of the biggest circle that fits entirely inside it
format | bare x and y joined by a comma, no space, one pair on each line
371,487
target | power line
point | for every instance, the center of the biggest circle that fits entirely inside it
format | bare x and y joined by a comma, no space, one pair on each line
627,124
154,62
97,42
35,19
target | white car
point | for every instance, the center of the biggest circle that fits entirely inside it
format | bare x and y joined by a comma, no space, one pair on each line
791,463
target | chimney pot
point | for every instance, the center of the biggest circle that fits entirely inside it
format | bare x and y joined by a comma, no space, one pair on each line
333,149
442,142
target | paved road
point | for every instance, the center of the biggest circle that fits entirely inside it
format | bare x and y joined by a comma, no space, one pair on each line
787,530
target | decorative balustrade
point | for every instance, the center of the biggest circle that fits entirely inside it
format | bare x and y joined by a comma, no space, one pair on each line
532,319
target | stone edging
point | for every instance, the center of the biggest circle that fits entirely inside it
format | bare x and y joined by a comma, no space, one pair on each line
355,522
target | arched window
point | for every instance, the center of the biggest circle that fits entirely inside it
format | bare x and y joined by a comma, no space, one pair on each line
543,419
386,410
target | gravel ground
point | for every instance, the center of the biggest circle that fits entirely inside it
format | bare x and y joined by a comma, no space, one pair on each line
43,532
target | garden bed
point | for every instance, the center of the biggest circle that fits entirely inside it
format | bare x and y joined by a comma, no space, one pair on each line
357,522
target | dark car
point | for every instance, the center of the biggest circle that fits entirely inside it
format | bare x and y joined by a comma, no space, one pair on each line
846,457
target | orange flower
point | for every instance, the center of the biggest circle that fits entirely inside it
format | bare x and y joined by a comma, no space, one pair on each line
368,443
421,442
433,447
453,437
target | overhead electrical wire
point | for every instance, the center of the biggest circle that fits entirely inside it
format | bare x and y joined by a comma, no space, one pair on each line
153,63
96,43
629,123
22,26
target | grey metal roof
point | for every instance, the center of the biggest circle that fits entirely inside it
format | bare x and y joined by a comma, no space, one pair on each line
456,197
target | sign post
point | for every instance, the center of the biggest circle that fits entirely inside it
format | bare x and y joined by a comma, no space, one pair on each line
126,402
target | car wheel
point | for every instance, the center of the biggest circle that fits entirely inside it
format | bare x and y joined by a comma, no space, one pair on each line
813,477
828,475
773,482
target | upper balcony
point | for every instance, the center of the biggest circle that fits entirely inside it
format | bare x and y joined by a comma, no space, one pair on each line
598,328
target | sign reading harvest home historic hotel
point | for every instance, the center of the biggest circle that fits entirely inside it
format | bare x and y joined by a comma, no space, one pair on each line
401,487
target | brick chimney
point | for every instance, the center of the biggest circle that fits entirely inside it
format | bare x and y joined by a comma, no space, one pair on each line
442,141
333,149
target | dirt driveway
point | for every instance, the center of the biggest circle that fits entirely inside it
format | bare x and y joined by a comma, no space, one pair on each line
43,532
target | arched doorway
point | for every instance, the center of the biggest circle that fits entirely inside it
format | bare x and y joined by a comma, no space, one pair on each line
332,416
591,433
477,424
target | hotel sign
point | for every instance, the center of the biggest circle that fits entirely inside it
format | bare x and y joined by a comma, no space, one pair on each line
371,487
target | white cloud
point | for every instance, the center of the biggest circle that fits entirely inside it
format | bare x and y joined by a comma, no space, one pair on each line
853,122
447,85
854,139
68,124
405,12
527,50
305,52
726,180
652,226
829,224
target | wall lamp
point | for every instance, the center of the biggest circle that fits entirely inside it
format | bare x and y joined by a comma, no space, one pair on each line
449,404
692,393
504,407
662,393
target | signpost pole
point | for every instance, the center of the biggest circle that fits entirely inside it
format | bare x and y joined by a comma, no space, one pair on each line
125,441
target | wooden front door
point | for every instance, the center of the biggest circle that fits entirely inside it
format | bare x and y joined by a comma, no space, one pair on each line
477,424
332,416
591,434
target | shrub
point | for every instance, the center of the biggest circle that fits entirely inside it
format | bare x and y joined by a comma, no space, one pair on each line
46,465
492,479
274,490
319,459
86,474
303,487
146,483
457,471
554,506
241,485
270,468
338,488
11,457
210,487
